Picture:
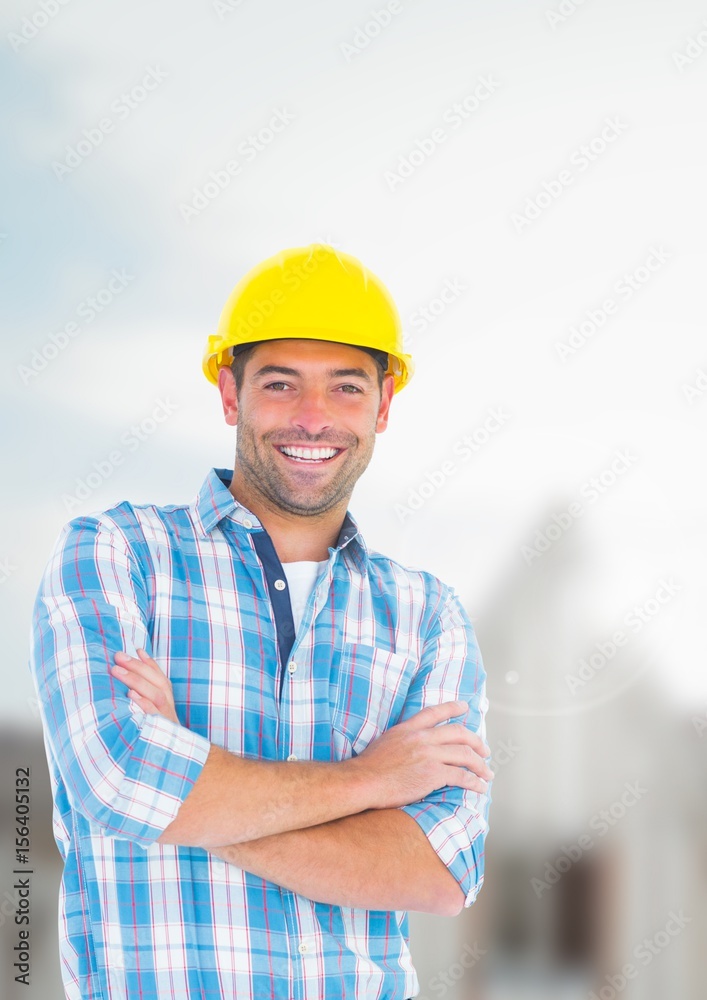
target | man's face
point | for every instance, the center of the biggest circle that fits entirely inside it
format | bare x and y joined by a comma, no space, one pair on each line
305,394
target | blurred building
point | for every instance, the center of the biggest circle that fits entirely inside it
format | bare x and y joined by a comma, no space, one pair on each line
598,816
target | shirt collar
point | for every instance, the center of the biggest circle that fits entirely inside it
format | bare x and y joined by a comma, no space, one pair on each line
214,502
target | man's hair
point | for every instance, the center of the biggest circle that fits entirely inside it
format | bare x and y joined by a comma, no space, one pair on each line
238,364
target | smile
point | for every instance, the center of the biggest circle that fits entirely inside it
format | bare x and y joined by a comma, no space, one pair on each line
309,456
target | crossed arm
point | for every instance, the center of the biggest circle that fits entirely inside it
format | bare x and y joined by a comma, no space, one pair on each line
378,859
373,859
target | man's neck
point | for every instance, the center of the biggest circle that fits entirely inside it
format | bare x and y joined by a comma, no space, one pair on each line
296,539
297,546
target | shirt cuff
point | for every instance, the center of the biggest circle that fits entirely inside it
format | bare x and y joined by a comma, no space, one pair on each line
449,837
143,793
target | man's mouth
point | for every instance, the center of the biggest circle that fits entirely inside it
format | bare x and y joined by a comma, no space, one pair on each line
309,456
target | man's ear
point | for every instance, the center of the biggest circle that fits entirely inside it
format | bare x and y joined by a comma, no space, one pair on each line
384,408
229,398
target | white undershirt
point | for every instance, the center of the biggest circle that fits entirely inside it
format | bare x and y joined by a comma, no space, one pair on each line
301,577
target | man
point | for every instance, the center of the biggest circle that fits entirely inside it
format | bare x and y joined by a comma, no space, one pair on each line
246,710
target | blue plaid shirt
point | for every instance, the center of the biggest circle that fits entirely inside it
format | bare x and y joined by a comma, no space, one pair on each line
201,588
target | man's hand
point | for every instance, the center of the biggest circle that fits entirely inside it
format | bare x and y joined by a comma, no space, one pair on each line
413,758
148,686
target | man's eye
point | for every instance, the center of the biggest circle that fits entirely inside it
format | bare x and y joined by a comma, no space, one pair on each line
356,389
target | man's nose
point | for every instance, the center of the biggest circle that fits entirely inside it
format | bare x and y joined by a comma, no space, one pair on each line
312,411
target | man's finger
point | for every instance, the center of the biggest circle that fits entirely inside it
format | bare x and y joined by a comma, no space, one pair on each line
457,732
130,669
433,714
140,672
141,685
146,658
144,703
464,756
157,705
142,659
142,667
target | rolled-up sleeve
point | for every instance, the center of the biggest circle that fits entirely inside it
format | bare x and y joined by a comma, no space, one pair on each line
454,819
123,770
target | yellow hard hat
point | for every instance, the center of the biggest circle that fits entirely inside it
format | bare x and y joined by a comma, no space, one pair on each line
314,293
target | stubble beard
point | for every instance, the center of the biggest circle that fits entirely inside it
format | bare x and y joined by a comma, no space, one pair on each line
276,488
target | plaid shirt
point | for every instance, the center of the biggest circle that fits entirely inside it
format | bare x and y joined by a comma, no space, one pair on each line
201,588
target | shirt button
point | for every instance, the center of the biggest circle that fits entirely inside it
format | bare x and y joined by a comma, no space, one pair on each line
280,585
292,666
247,523
303,948
293,756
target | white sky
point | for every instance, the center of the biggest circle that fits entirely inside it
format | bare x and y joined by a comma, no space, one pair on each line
323,178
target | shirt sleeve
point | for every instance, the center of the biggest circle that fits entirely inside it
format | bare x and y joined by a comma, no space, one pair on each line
125,771
454,819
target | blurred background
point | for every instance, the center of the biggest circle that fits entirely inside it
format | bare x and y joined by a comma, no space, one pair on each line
528,180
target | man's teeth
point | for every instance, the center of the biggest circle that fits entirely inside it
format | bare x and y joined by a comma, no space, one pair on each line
310,454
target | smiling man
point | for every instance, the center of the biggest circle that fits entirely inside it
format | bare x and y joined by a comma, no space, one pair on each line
247,711
307,419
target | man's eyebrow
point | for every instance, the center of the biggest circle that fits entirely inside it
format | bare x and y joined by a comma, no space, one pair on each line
330,372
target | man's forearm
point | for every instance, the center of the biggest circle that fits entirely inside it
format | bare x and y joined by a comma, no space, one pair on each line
379,859
236,799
